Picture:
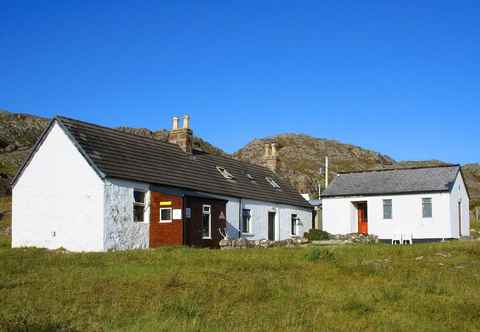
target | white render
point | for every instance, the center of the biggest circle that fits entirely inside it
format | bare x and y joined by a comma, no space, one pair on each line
259,219
340,214
58,200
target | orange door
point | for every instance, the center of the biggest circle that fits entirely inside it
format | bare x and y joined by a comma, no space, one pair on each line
362,218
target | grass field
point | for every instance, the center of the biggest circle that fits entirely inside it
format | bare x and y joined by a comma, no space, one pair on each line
425,287
431,287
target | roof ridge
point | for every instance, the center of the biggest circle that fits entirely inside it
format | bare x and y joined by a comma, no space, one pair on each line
399,169
60,117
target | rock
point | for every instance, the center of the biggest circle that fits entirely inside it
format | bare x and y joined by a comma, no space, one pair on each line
419,258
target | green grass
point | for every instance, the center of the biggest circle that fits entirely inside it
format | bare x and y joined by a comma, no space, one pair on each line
6,220
357,288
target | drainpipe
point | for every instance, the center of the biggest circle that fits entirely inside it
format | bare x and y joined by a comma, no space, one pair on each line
240,218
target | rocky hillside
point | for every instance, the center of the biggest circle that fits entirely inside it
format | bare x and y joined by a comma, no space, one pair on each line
19,132
301,158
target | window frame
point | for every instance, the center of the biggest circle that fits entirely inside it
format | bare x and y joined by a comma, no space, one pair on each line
249,222
391,209
225,173
140,204
209,237
160,215
292,226
272,182
430,202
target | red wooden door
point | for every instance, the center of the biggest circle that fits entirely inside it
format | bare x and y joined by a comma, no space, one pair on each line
362,218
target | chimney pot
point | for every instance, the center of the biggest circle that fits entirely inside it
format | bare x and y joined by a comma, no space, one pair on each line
274,149
186,122
175,123
267,150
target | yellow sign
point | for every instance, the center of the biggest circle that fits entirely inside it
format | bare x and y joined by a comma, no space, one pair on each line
165,203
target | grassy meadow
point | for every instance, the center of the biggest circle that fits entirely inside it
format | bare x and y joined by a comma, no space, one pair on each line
425,287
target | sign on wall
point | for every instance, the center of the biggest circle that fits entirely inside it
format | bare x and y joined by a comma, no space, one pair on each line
177,214
166,203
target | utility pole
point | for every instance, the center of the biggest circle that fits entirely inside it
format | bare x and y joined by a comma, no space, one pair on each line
326,172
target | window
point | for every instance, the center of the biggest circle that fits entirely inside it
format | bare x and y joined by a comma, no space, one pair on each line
387,209
165,214
272,182
138,206
294,224
427,207
246,218
207,222
226,174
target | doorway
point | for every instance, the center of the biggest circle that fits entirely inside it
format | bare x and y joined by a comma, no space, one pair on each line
362,216
271,226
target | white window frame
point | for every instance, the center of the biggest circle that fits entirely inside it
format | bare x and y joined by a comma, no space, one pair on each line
226,174
249,223
431,208
144,204
272,182
160,215
209,237
391,209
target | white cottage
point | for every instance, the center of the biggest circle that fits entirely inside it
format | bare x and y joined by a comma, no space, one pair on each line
86,187
428,203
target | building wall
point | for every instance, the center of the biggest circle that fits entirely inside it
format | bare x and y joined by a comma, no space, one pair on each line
121,232
194,224
459,195
340,216
166,233
58,200
259,219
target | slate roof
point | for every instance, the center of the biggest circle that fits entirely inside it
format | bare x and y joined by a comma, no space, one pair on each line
395,181
116,154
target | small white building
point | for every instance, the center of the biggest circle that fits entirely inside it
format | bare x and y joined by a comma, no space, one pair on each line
428,203
86,187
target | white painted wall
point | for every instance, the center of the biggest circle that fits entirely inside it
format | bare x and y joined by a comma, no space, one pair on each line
58,200
121,232
340,215
459,195
259,219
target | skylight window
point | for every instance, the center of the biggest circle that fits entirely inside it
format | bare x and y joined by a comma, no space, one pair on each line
250,177
226,174
272,182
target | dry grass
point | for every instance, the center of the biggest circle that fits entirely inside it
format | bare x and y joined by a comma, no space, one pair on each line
431,287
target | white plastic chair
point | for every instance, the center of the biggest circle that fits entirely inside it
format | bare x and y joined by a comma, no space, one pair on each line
397,238
407,238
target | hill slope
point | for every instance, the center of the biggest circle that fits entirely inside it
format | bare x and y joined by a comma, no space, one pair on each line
302,156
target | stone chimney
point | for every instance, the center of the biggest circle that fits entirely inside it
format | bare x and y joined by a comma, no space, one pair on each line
183,137
271,156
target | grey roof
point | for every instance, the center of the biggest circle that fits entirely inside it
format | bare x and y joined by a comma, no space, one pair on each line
116,154
315,202
394,181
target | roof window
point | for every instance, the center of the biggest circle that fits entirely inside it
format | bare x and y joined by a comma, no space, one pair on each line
272,182
226,174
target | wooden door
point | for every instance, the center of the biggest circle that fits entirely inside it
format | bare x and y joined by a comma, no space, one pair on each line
271,226
362,218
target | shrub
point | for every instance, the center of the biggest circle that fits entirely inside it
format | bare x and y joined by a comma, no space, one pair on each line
317,235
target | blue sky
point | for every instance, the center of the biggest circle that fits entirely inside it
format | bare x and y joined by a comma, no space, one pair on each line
399,77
